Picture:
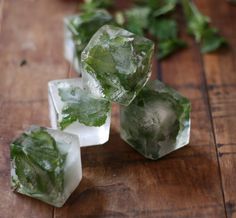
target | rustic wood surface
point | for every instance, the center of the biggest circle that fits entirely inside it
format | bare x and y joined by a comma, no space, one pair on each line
194,182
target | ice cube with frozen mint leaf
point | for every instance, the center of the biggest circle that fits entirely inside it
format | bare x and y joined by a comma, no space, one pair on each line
157,122
76,111
46,164
116,64
78,29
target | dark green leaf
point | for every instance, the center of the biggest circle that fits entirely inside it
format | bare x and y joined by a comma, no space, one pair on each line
163,28
119,61
212,41
198,25
169,46
157,121
137,19
38,165
83,107
163,7
91,5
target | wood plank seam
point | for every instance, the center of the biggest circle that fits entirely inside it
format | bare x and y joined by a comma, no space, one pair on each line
209,111
1,14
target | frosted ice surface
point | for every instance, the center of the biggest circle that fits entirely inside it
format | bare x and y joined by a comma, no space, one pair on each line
88,135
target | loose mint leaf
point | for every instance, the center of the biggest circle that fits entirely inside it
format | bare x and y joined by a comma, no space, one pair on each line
212,41
198,25
158,7
168,47
163,28
84,25
83,107
37,165
91,5
157,122
163,7
137,19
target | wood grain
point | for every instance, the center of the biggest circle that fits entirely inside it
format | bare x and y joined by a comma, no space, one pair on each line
31,31
220,71
184,72
117,181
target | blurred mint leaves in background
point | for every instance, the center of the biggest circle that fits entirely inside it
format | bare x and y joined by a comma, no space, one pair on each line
156,19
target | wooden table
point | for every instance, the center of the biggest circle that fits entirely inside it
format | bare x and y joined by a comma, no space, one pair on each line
196,181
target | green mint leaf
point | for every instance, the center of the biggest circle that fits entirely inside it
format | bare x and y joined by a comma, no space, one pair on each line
163,7
212,41
38,165
81,106
198,25
163,28
91,5
158,7
168,47
196,22
137,19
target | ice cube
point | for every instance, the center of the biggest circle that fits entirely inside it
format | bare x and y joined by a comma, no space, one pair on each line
46,164
70,50
116,64
78,112
157,122
78,29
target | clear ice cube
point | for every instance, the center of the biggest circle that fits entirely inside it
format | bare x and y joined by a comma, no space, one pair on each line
70,50
46,164
157,122
88,135
116,64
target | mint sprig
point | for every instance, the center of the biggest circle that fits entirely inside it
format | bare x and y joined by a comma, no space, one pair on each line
199,26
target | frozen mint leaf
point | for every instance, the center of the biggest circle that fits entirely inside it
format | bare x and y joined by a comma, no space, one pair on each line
84,25
158,7
168,47
137,19
118,62
81,106
163,28
38,165
157,122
